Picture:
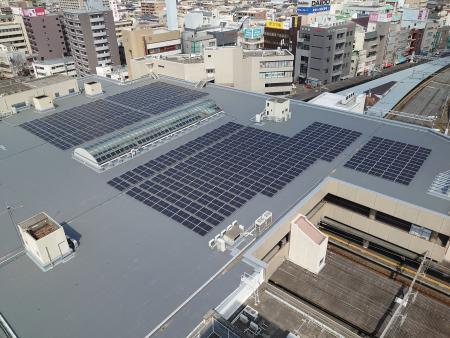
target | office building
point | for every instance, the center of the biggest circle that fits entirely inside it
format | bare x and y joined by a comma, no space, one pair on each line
324,52
194,42
92,39
260,71
282,34
47,36
141,41
49,67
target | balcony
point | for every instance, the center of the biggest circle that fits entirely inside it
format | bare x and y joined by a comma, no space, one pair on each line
104,54
100,19
99,35
101,48
99,41
101,26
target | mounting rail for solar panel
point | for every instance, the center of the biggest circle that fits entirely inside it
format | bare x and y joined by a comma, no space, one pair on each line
142,149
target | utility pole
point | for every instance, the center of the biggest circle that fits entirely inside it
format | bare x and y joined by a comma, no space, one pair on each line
409,296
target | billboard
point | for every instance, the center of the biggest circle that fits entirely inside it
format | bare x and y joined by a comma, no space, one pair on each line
253,33
313,6
380,17
278,24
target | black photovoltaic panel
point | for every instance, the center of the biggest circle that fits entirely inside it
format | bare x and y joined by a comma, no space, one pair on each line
75,126
204,181
391,160
157,97
84,123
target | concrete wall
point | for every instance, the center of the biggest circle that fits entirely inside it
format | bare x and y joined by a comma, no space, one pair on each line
62,88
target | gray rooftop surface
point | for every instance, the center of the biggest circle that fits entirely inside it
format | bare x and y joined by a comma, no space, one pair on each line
134,265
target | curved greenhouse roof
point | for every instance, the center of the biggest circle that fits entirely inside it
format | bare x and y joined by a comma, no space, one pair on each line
132,140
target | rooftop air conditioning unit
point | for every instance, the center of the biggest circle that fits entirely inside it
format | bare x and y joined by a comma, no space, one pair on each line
251,312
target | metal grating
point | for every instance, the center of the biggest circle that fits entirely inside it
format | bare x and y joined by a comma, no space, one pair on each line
441,185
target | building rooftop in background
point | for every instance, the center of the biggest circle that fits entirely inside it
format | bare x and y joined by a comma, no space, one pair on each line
144,224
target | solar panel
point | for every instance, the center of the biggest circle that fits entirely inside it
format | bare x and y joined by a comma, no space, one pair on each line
72,127
157,97
75,126
209,178
388,159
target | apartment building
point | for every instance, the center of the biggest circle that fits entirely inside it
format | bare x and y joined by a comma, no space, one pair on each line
13,33
324,52
141,41
120,26
92,39
47,36
12,61
65,5
64,66
153,7
365,48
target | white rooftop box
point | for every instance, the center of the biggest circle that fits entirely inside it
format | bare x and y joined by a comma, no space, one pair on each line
45,241
93,88
308,246
43,103
276,109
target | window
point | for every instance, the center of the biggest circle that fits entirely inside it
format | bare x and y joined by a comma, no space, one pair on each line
421,232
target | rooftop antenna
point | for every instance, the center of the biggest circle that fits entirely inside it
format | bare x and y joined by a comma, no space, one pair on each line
10,210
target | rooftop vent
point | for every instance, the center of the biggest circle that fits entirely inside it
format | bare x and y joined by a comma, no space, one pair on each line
45,241
93,88
348,98
43,103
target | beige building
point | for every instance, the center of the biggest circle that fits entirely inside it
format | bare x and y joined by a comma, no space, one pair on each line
263,71
16,96
153,7
144,40
13,32
120,26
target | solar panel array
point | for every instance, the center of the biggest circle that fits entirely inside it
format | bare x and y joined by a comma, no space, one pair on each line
391,160
75,126
156,97
204,181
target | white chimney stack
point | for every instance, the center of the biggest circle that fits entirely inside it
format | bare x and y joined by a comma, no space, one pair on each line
171,13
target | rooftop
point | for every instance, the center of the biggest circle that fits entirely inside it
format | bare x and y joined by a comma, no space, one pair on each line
361,299
130,254
266,53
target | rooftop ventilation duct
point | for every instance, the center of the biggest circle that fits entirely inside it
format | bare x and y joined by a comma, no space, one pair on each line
93,88
43,103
